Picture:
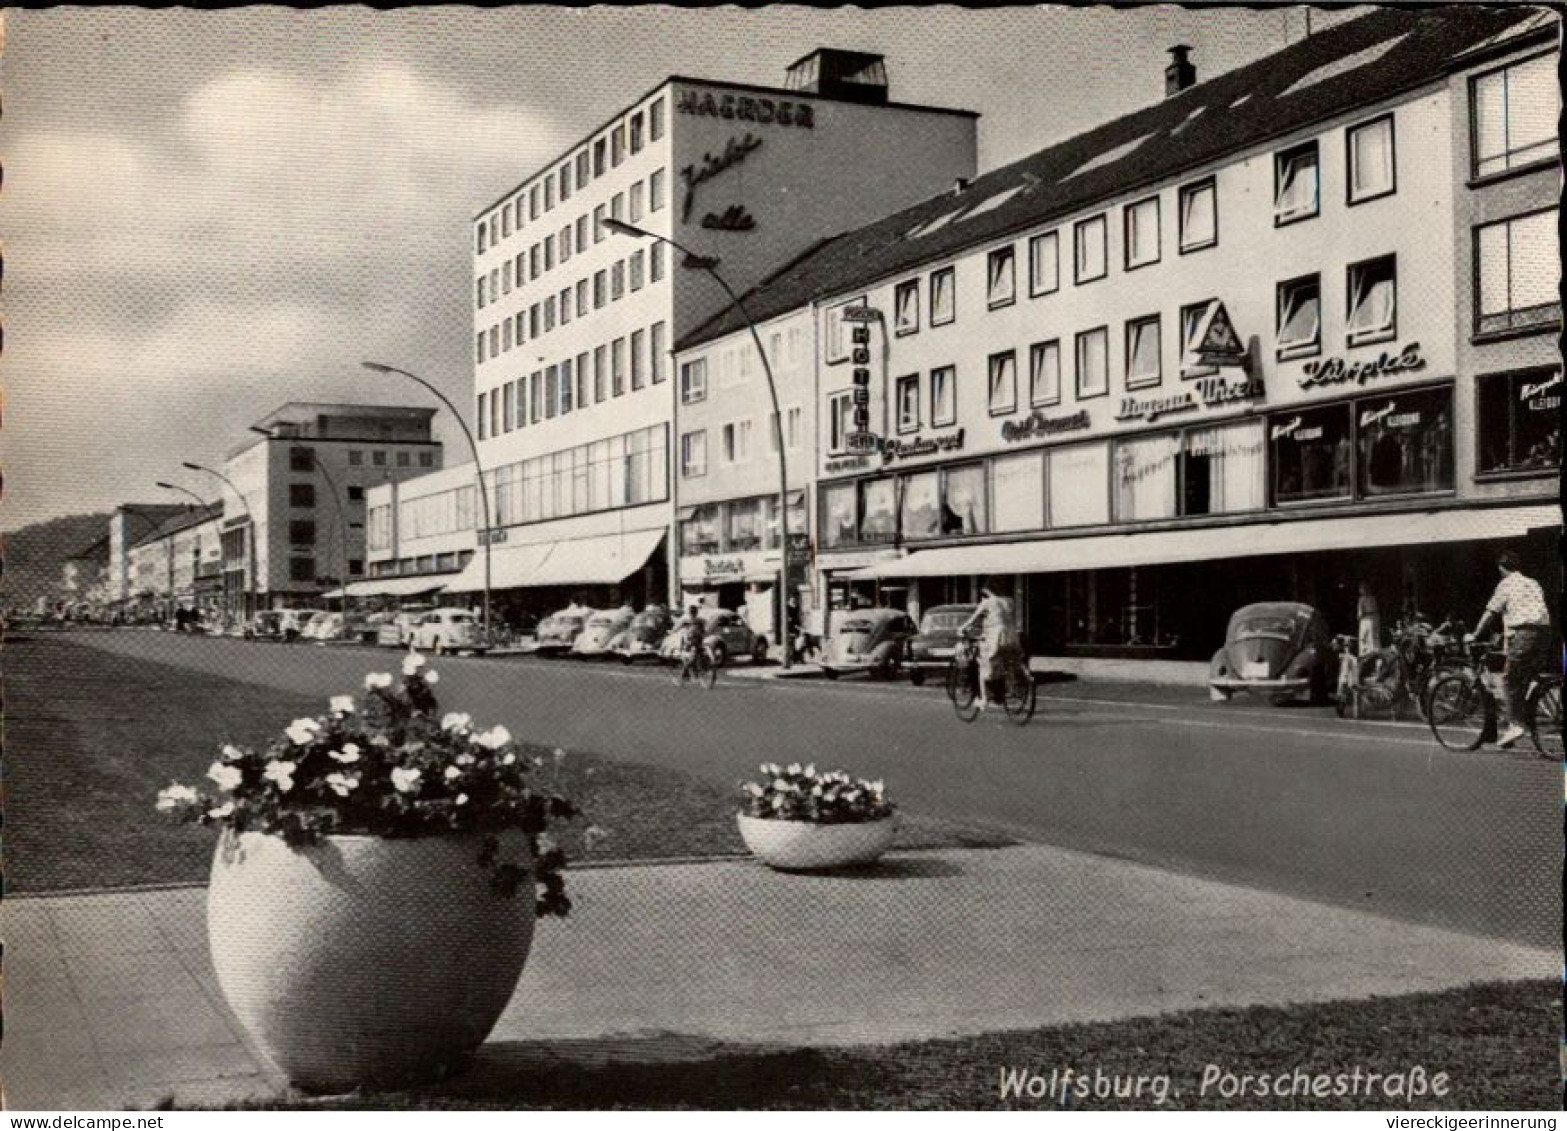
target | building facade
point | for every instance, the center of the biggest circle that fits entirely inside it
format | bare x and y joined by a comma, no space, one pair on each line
175,565
1213,352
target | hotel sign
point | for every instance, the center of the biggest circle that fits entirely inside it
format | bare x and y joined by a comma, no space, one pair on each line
745,108
1337,371
921,446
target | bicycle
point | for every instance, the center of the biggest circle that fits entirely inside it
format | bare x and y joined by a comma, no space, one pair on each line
1462,706
699,665
1016,683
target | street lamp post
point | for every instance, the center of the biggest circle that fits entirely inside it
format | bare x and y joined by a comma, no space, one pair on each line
250,526
478,471
201,503
710,265
337,505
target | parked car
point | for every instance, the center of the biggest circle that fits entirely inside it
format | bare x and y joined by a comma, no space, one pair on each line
397,630
938,636
1283,648
558,631
449,630
643,637
600,630
867,640
727,636
279,624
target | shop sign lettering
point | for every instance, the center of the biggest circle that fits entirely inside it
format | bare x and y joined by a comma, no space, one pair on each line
734,152
722,567
893,449
1388,416
1217,391
1152,408
1534,398
1291,430
1337,371
850,463
743,108
732,219
1039,424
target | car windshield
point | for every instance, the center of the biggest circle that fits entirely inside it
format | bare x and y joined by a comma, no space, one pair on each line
1281,627
460,618
604,620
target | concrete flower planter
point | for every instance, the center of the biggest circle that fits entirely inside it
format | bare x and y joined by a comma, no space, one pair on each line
804,846
364,959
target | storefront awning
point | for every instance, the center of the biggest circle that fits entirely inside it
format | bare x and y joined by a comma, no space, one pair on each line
395,586
510,568
602,560
1256,539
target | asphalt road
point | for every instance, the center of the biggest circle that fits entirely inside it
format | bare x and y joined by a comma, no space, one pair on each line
1372,815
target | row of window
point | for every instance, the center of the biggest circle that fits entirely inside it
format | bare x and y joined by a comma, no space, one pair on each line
735,445
533,263
607,285
624,139
622,471
1370,447
422,564
785,350
633,361
379,458
739,525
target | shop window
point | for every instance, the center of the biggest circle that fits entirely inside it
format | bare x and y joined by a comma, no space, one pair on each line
943,396
1003,383
1406,443
1300,317
743,525
1520,421
1077,483
1222,469
699,533
943,296
963,508
878,511
840,515
1199,215
1518,274
921,513
840,420
1142,233
1514,116
1145,477
1144,367
1296,184
1044,264
1309,454
1090,254
908,400
1017,492
693,454
1093,363
1044,374
1001,278
301,494
906,307
1373,301
1371,160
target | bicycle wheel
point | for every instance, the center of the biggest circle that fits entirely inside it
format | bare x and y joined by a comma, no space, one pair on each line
1019,697
708,669
961,690
679,671
1457,711
1545,721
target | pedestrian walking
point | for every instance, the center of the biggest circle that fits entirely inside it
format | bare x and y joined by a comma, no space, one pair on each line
1369,619
1519,603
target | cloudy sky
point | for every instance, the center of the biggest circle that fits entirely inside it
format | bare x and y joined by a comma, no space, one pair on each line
207,214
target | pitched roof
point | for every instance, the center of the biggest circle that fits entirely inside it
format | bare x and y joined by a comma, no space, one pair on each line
194,516
1357,63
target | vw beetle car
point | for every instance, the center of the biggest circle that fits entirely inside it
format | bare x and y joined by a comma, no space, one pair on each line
1282,648
449,630
867,640
727,636
643,636
558,631
600,631
937,638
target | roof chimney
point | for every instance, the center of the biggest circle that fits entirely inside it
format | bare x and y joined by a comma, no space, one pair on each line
1180,74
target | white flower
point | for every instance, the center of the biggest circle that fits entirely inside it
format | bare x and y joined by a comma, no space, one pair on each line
303,731
342,783
432,677
794,767
771,769
546,843
753,789
282,773
810,771
464,759
452,773
494,738
461,799
412,663
816,791
378,679
221,811
405,780
226,777
876,787
175,794
509,758
456,720
781,785
232,753
349,753
778,801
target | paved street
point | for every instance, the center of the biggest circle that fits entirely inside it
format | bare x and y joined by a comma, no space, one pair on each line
1366,815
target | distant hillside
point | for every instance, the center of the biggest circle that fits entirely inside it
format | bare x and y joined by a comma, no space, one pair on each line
30,558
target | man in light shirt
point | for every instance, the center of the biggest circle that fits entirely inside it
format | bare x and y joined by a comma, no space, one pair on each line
1519,603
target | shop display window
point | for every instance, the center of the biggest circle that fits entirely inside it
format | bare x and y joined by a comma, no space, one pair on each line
1077,482
1520,421
963,508
1406,442
1017,492
921,515
1222,469
1145,477
699,533
743,521
840,515
1309,454
878,510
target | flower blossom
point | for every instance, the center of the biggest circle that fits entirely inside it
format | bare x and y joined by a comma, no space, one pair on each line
456,720
226,777
219,812
753,789
412,663
175,794
461,799
232,753
509,758
432,676
405,780
452,772
349,753
494,738
342,784
464,759
377,680
303,731
280,773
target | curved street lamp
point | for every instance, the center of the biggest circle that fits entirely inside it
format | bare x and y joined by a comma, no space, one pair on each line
250,526
478,472
337,505
201,504
710,265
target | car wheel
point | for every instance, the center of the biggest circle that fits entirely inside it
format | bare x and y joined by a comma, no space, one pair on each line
829,673
719,653
917,677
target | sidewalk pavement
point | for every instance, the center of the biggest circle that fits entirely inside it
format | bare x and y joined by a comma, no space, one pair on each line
1155,673
110,999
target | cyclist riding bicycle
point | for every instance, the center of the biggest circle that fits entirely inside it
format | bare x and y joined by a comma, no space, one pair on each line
1519,603
692,632
996,617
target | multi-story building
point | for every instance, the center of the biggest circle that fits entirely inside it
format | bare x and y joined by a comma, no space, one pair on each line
1216,347
574,410
177,563
131,523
